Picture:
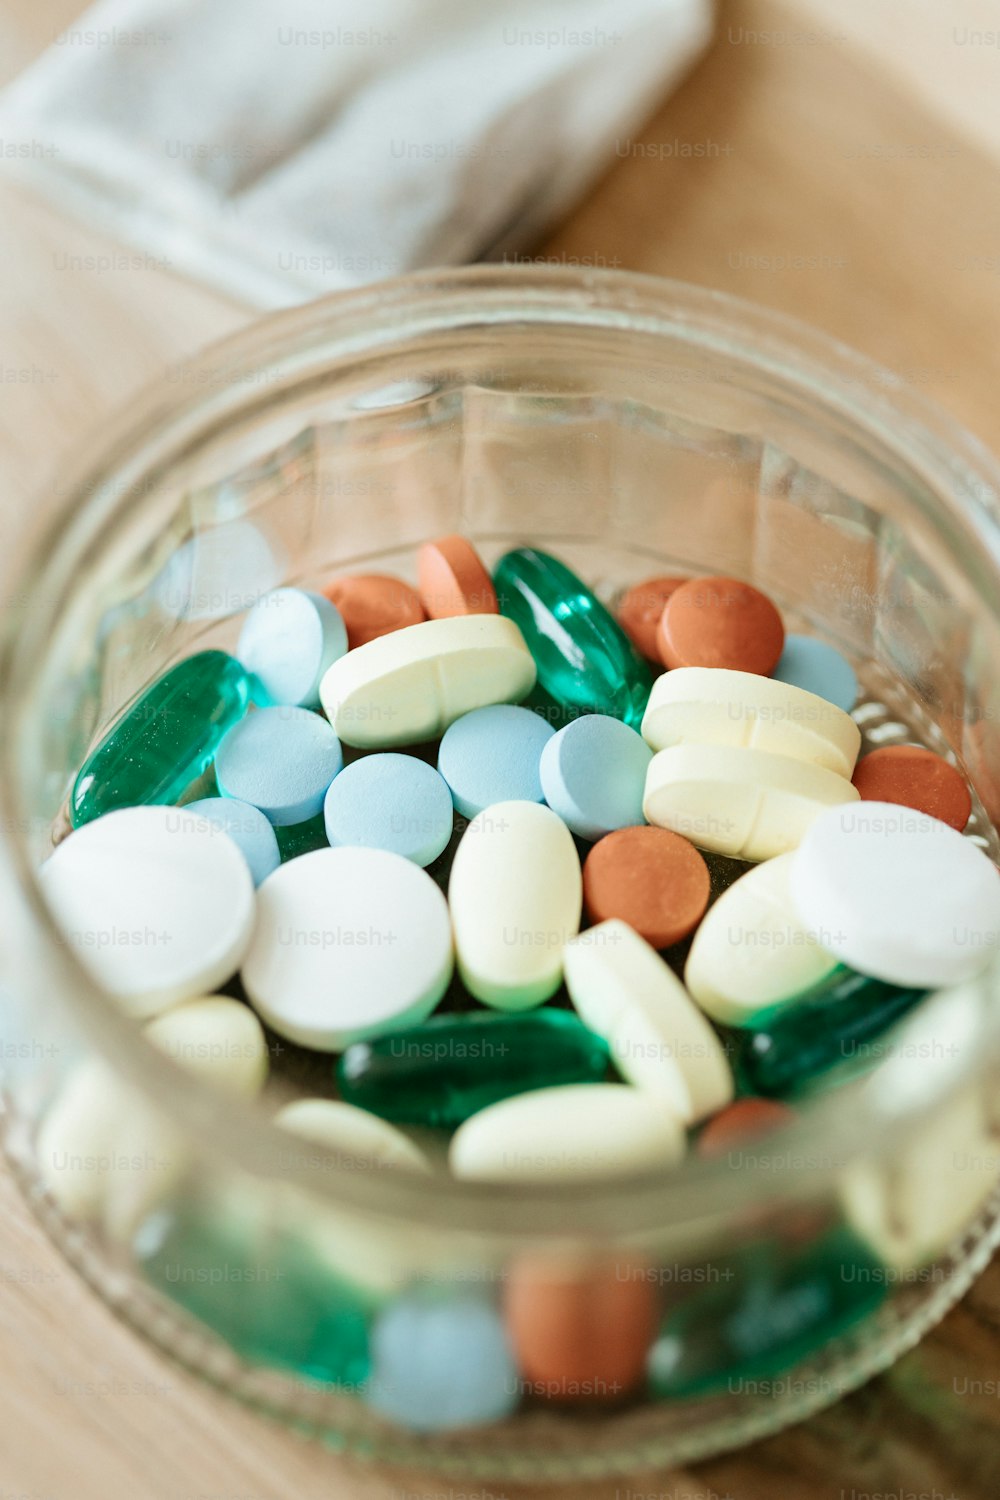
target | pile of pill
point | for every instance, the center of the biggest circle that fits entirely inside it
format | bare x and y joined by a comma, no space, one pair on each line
578,890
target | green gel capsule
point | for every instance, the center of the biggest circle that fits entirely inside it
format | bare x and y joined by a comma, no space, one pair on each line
442,1072
271,1300
834,1026
585,661
765,1312
165,740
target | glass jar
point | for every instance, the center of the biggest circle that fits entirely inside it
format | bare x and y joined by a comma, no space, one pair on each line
632,427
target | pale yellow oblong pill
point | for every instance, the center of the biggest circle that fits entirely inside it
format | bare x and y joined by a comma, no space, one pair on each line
214,1037
660,1041
749,804
515,894
104,1153
577,1131
78,1136
371,1142
412,684
715,706
217,1038
751,951
913,1194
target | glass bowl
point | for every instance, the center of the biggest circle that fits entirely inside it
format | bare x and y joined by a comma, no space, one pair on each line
630,426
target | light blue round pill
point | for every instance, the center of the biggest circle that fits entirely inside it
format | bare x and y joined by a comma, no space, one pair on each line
440,1363
492,755
594,775
247,827
288,640
818,668
281,760
393,802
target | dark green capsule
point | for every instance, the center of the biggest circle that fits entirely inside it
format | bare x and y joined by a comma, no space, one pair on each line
165,740
764,1311
585,661
442,1072
835,1026
272,1301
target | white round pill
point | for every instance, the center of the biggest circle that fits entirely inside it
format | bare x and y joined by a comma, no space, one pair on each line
349,943
157,903
897,894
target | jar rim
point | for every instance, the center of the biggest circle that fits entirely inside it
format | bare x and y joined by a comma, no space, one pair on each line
161,425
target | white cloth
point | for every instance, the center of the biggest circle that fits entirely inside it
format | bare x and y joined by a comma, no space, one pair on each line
283,148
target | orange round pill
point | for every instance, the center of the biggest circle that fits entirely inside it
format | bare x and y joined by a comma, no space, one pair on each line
720,622
639,611
651,878
581,1332
374,604
745,1120
914,777
453,580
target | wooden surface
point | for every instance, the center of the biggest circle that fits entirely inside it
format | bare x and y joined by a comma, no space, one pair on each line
848,175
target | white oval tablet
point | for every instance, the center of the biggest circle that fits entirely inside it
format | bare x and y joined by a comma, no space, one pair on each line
749,804
515,892
77,1138
219,1039
579,1131
371,1143
106,1154
904,897
597,1005
158,1154
659,1039
412,684
157,903
715,706
910,1206
349,943
752,952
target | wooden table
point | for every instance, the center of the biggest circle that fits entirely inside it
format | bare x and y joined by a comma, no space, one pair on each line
858,152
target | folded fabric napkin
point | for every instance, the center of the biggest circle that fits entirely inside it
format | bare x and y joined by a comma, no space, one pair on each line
282,148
